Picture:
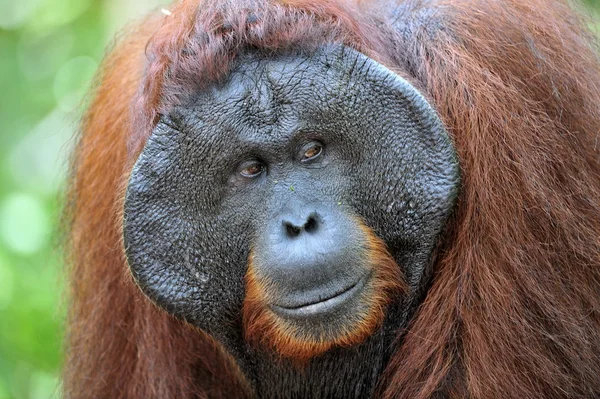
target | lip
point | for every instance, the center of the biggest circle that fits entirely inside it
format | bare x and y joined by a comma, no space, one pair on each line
323,306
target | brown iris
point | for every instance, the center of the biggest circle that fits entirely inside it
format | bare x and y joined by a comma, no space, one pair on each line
313,151
252,169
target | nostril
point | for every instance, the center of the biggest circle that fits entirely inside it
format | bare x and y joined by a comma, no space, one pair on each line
291,230
294,227
311,224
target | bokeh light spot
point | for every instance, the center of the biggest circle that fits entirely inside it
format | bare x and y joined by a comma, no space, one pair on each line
38,162
14,13
58,12
72,80
42,383
41,56
24,223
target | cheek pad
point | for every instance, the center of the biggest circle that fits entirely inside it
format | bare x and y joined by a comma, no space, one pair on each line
175,244
408,180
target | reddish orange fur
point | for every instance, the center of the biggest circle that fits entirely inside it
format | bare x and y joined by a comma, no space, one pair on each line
119,345
514,306
263,328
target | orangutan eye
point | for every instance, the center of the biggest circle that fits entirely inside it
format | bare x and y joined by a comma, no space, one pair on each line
252,169
312,151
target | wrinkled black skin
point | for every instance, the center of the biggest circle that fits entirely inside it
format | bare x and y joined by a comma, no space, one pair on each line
190,218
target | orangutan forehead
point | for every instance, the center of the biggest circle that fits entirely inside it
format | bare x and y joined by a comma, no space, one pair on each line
265,80
333,90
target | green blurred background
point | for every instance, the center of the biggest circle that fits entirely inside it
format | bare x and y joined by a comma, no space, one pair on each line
49,50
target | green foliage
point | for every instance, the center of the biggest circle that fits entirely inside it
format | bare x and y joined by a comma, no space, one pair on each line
49,50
